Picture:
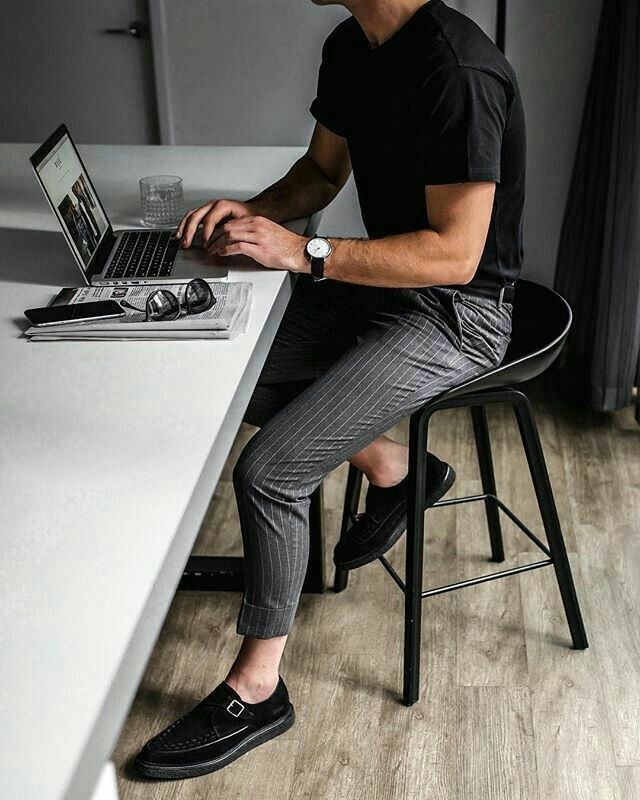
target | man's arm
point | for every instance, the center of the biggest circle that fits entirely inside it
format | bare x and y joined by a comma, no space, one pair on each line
446,253
310,185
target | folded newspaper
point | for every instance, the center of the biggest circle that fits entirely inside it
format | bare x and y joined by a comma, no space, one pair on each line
225,319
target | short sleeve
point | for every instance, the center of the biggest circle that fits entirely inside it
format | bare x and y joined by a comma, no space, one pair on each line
327,106
465,111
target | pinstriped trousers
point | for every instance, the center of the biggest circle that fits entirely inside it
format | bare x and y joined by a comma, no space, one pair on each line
347,363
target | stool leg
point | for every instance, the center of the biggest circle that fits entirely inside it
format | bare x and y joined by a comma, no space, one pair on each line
549,513
485,462
349,509
414,558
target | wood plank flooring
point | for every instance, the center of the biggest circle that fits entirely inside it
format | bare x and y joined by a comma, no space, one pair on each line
508,711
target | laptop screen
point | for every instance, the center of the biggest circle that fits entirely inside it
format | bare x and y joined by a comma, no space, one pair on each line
73,198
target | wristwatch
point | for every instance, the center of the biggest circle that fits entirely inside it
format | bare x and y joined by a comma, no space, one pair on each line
318,250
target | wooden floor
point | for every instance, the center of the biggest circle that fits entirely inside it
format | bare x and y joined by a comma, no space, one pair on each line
508,710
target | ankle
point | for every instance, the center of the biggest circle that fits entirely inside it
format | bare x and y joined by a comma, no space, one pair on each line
252,688
384,462
387,474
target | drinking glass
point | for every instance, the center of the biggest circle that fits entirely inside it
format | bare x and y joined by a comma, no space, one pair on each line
162,200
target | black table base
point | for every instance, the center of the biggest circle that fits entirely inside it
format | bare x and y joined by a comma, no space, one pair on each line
226,573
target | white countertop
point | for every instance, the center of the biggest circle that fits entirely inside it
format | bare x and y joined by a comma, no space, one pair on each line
109,453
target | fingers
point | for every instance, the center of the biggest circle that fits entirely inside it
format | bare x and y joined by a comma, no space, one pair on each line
223,230
185,220
210,215
212,229
182,223
248,229
243,249
240,233
219,231
228,234
220,211
189,224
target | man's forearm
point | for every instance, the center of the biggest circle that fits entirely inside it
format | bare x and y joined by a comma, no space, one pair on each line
304,190
409,260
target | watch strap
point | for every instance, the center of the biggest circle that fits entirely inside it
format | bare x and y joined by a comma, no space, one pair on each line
317,268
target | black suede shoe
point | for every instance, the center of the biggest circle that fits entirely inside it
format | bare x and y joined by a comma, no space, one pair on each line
216,732
385,517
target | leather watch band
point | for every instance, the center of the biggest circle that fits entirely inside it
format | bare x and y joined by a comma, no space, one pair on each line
317,268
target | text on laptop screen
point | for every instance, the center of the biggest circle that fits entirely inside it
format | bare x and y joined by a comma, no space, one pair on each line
72,197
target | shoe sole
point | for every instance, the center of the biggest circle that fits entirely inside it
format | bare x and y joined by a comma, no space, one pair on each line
177,772
399,517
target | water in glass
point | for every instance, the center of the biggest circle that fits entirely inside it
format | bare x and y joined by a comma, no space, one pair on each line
162,200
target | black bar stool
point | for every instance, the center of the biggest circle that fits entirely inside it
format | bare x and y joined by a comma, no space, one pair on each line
541,322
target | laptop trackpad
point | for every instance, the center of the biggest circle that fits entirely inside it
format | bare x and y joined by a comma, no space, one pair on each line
195,261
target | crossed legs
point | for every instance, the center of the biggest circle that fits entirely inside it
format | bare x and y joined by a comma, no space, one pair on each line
408,352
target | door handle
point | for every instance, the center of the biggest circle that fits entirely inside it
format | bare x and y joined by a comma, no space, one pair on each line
136,29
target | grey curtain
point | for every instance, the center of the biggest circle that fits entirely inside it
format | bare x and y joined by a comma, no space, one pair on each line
598,267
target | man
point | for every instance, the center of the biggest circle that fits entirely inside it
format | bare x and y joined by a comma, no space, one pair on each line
84,206
421,105
77,227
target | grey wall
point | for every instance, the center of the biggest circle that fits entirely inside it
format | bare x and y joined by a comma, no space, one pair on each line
57,64
240,71
244,72
550,44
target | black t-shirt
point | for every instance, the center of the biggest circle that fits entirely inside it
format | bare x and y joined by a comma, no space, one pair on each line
436,103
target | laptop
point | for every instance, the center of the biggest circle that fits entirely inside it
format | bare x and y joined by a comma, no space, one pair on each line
107,257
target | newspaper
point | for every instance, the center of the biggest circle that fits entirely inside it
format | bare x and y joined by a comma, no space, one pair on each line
225,319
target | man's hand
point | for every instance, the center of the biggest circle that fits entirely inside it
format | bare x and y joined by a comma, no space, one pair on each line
263,240
210,215
230,227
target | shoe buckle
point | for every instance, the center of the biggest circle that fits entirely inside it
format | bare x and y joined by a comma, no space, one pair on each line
238,705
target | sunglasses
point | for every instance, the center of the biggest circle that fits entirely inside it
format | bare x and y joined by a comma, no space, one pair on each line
164,306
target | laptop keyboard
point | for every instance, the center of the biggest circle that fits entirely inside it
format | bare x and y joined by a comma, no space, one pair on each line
143,254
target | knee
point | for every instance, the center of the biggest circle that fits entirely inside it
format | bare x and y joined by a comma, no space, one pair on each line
244,472
259,472
254,471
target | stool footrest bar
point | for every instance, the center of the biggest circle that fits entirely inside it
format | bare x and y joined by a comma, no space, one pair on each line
473,498
492,576
505,573
392,572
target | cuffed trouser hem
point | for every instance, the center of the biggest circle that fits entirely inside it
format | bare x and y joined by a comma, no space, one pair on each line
265,623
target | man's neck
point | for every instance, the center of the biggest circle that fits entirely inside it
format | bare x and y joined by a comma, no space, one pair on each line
380,19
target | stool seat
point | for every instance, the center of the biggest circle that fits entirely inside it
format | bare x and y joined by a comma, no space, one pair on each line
541,323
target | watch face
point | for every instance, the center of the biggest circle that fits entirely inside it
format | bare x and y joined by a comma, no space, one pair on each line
318,248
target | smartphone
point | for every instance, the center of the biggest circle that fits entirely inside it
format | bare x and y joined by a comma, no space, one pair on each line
76,312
